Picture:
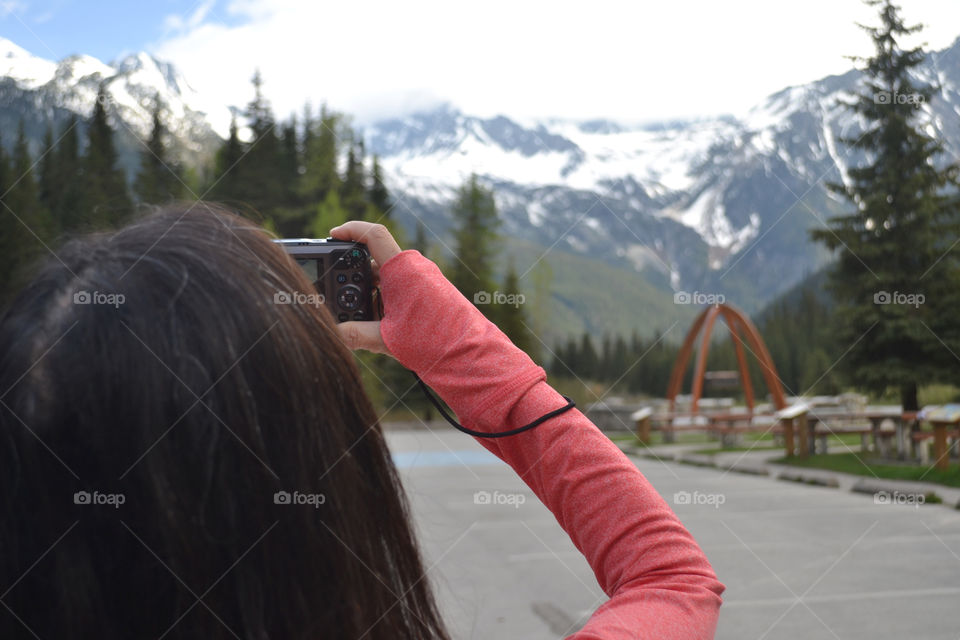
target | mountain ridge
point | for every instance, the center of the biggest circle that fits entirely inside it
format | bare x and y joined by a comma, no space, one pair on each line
718,204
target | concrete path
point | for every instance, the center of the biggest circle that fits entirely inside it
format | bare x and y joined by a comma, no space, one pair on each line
799,561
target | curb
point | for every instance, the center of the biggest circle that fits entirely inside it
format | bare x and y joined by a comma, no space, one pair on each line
819,478
818,481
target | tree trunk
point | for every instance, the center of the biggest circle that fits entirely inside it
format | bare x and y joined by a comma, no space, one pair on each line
908,396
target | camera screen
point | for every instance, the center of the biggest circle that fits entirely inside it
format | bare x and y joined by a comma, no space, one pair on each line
310,268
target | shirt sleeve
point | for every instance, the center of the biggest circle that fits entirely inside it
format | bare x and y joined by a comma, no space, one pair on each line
659,581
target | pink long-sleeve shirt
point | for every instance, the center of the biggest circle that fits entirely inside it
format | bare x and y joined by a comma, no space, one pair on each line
659,581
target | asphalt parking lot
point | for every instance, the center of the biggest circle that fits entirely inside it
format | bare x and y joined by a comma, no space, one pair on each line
798,561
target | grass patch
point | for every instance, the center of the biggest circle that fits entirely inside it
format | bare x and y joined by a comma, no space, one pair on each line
864,465
764,442
758,447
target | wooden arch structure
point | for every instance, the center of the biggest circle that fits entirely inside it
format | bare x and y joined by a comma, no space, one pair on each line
740,329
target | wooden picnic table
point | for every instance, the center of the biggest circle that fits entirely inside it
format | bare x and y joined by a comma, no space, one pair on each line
875,416
941,418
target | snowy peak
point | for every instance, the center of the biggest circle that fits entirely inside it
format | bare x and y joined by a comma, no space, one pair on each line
44,91
142,68
722,204
132,82
26,69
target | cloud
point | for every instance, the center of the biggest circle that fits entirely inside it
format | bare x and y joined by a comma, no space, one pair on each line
631,61
10,7
176,23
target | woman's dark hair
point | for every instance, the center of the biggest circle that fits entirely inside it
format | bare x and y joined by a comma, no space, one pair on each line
182,455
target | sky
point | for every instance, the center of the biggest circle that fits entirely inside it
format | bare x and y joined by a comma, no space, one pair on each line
634,61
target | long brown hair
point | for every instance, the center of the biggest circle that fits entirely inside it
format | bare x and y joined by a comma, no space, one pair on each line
185,454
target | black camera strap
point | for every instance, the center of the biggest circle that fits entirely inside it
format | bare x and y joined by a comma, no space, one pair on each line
500,434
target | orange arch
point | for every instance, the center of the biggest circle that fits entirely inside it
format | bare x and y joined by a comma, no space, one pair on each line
741,329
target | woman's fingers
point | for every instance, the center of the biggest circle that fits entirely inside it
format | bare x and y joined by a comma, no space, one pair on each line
377,237
362,335
382,247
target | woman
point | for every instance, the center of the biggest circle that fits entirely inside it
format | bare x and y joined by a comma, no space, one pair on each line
158,411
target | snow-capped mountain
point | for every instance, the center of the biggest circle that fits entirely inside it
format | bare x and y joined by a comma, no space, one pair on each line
39,91
721,205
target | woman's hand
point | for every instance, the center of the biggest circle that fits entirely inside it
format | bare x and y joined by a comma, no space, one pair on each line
382,247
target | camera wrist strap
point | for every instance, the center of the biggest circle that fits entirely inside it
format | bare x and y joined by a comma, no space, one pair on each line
501,434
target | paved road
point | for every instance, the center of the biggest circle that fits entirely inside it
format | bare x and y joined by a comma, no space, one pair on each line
799,562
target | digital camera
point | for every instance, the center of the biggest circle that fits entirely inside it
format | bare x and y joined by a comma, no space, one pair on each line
340,272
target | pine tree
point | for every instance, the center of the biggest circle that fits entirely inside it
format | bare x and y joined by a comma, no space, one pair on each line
567,363
11,235
228,170
378,195
588,362
48,183
897,241
329,214
511,316
420,238
320,150
263,184
69,198
106,200
26,222
353,191
289,164
159,178
475,236
621,362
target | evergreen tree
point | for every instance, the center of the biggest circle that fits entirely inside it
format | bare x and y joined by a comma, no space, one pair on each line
621,362
378,195
68,199
48,183
24,195
159,178
263,184
353,191
565,359
329,214
26,222
289,164
420,238
106,200
11,231
605,365
588,362
320,150
5,179
475,236
511,316
228,172
897,241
